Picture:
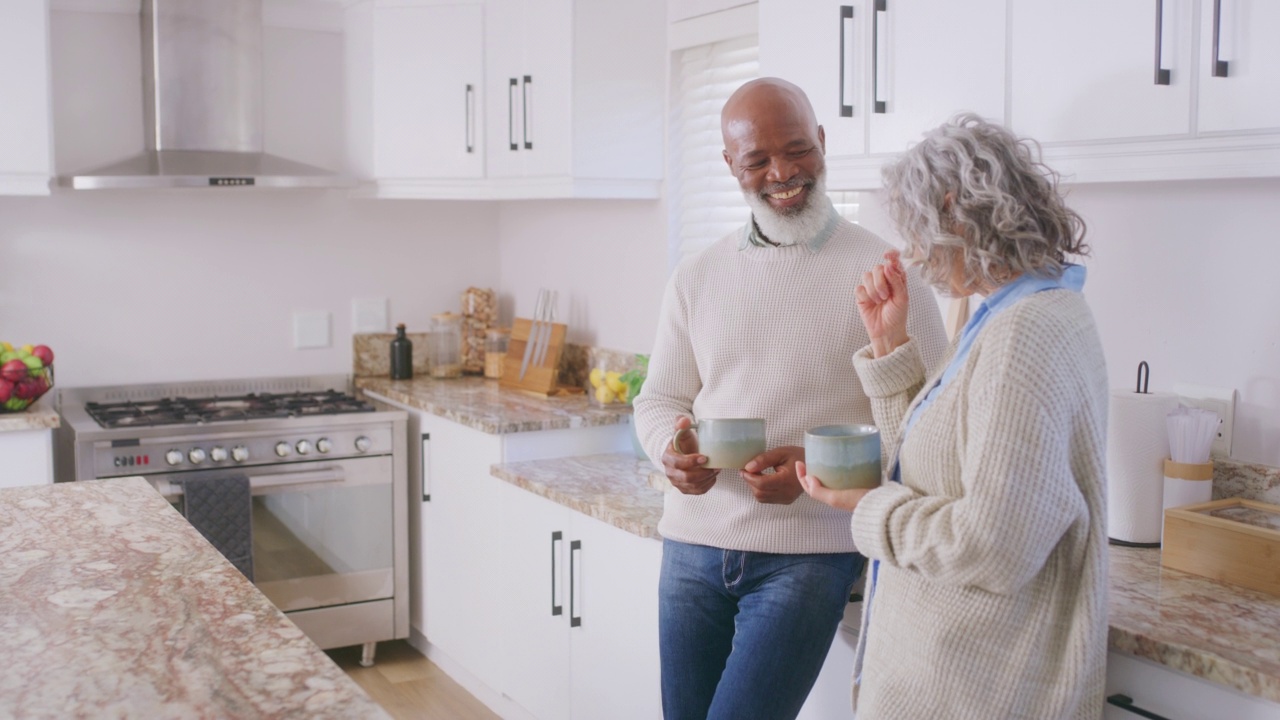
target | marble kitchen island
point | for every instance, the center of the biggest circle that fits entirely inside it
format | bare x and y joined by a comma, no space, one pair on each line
114,606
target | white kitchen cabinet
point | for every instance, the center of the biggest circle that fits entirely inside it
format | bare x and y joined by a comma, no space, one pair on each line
1087,81
881,72
583,620
415,90
1169,693
1246,97
1086,71
577,95
26,151
27,458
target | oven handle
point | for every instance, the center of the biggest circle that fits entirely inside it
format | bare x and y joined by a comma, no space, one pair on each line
328,475
169,488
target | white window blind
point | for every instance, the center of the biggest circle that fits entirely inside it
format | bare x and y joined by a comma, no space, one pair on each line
708,203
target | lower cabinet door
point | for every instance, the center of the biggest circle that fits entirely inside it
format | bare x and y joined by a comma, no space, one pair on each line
613,617
1160,691
535,541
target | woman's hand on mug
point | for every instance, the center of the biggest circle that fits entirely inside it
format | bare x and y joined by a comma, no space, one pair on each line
684,466
781,487
838,499
882,303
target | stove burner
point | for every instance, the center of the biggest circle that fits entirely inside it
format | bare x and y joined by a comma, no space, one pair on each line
254,406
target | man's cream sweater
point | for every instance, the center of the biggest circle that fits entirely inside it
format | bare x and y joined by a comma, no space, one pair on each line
748,331
990,601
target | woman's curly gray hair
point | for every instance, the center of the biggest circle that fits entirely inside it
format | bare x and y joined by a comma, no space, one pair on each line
973,189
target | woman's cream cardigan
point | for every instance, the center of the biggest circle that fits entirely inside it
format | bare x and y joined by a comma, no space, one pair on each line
991,594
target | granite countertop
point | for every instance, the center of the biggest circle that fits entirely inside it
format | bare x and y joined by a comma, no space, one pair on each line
40,416
115,606
481,405
1223,633
613,488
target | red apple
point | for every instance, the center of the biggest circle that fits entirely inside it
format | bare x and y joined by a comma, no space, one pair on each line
13,371
6,390
44,353
27,389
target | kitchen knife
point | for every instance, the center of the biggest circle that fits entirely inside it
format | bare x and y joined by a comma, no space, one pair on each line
549,315
533,335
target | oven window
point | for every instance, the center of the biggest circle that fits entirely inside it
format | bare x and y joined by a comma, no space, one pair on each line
324,545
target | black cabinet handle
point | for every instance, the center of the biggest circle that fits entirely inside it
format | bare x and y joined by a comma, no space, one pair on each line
1162,75
575,619
555,609
426,467
471,110
846,13
1124,702
524,94
1219,66
511,115
880,105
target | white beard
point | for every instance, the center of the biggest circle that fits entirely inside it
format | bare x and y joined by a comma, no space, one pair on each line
800,227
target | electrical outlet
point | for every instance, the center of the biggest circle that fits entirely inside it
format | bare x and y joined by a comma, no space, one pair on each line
1219,400
311,329
369,315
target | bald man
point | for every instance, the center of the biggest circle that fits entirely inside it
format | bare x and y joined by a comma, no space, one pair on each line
762,324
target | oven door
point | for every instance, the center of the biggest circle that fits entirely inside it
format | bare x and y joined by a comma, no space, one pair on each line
323,532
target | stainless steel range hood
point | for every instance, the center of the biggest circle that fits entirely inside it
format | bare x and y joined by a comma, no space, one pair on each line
202,75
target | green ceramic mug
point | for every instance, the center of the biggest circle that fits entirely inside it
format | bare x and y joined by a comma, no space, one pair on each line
726,442
844,456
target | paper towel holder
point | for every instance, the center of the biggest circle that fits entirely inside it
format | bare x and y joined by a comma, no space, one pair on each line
1143,382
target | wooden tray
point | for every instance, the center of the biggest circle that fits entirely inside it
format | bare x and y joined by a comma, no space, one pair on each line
1232,540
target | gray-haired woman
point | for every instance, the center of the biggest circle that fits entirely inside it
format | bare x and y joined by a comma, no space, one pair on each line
987,597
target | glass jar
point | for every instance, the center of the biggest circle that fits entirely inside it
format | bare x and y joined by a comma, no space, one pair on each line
495,351
444,345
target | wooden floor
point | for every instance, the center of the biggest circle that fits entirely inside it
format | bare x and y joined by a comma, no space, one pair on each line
409,686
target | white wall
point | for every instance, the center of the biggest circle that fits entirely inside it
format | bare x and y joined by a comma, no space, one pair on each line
607,259
183,285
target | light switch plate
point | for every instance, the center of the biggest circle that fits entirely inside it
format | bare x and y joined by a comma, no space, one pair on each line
311,329
369,315
1219,400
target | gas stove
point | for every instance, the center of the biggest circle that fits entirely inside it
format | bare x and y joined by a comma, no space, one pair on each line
326,471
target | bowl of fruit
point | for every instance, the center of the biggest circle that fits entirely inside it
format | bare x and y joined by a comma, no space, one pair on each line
26,373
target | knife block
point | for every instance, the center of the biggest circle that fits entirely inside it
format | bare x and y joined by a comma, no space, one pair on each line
540,378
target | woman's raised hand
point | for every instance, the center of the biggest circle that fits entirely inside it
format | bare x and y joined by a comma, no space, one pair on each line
882,303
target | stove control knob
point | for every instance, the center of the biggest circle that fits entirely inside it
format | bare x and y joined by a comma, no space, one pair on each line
283,449
323,446
218,454
362,444
304,447
173,457
239,453
196,456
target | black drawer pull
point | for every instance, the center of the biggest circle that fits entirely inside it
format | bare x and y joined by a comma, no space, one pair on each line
1124,702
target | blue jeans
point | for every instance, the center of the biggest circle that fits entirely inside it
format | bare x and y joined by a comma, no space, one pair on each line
744,634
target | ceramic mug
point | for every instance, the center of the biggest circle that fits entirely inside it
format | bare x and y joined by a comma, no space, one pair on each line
844,456
726,442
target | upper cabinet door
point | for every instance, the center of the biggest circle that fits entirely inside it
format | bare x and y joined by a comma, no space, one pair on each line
428,91
1089,70
26,158
545,86
933,58
505,69
823,47
1245,92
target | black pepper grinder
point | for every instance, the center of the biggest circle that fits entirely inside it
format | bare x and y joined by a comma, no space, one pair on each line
401,355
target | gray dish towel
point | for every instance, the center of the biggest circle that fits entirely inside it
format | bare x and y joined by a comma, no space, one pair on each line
221,509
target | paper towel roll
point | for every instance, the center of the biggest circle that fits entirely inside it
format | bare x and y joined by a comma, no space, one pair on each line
1137,445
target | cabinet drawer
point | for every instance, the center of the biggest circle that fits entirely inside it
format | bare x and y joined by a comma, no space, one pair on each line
1177,696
